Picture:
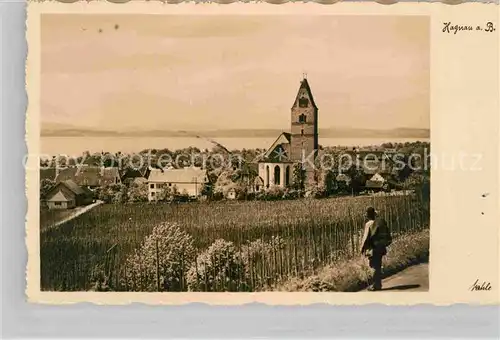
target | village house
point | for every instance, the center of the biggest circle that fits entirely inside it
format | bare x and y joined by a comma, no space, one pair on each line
258,184
128,175
190,180
67,195
377,183
290,148
90,176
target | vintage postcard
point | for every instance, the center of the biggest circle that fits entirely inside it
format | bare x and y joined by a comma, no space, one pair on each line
291,154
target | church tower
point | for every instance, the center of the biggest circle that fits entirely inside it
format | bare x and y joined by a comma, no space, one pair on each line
304,124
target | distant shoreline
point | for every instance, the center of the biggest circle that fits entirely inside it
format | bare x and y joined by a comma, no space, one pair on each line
75,145
240,133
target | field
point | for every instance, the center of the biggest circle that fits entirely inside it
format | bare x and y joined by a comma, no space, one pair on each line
50,217
270,242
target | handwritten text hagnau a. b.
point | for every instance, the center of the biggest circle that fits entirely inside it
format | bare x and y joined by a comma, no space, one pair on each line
452,28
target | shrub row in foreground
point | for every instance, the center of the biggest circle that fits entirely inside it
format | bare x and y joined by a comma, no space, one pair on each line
355,274
167,262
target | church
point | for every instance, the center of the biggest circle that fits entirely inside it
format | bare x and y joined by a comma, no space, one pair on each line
277,165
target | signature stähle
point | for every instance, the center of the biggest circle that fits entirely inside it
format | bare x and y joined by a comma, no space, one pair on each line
476,286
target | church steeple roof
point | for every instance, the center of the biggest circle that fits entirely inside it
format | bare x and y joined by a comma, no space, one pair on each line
304,84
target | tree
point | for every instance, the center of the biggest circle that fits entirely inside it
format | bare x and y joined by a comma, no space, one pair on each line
166,194
162,261
357,179
224,182
299,177
344,185
113,193
217,269
120,194
327,182
45,162
420,182
45,186
184,194
206,190
138,192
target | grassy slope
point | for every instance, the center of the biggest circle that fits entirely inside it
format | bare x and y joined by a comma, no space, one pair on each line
355,274
50,217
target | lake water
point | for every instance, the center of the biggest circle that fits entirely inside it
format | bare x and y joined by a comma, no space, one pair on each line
75,146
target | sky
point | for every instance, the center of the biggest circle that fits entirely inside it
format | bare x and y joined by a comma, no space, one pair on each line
175,72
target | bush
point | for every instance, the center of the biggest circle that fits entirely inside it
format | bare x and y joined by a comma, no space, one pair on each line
45,186
292,194
113,193
217,269
355,274
100,279
251,196
241,193
168,250
217,196
274,193
316,192
258,254
138,192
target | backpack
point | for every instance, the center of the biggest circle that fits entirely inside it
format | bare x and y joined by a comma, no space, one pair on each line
382,237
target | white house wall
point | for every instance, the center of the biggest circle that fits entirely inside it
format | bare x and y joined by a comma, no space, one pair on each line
193,189
269,181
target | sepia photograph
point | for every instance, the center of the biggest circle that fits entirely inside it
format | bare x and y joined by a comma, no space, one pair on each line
259,153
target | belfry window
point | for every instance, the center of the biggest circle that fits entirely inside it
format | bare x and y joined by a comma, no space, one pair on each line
302,118
303,102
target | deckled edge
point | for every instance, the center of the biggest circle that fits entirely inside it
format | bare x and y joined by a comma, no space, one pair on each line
279,2
26,142
39,298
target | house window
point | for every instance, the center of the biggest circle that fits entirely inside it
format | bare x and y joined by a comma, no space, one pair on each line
267,176
152,186
58,203
302,118
152,194
277,175
301,132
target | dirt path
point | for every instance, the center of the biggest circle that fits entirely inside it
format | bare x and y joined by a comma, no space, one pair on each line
412,279
76,213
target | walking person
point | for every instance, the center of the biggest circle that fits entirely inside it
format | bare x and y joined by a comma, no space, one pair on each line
376,239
